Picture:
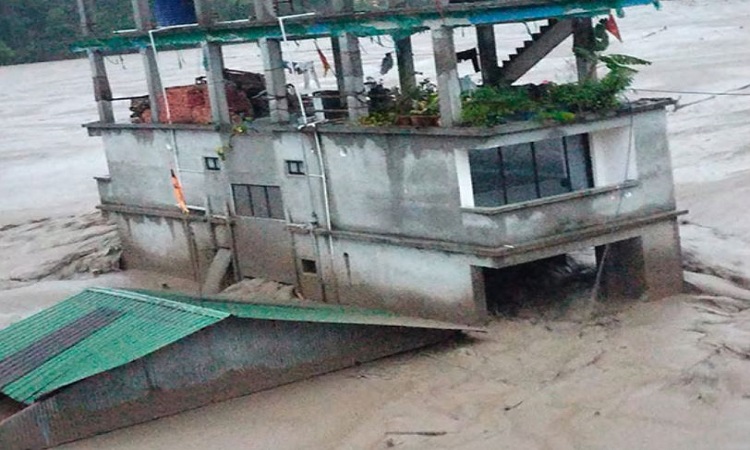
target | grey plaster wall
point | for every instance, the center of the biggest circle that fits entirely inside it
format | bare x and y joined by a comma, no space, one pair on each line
173,246
397,185
139,162
411,281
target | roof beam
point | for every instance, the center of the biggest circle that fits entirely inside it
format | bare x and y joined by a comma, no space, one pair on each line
398,22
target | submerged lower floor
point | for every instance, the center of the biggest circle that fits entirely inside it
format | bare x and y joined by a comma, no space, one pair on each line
433,279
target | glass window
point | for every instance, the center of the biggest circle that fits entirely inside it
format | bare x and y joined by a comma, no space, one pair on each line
519,173
579,162
254,200
523,172
551,170
275,205
486,177
242,205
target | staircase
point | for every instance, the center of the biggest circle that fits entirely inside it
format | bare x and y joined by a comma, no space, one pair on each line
540,45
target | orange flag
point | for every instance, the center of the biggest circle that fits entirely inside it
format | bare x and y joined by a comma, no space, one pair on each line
178,195
611,26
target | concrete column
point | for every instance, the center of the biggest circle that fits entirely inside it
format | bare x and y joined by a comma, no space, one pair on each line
264,10
351,68
153,81
449,88
623,274
487,54
102,91
144,18
144,21
405,61
662,256
205,13
336,50
215,76
86,15
275,79
583,37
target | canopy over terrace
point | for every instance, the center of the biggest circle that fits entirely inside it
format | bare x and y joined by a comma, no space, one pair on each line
345,21
398,21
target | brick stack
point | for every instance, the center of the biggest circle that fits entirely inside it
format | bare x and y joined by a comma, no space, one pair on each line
191,104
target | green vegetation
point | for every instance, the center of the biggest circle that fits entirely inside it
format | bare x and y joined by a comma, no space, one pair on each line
42,30
488,106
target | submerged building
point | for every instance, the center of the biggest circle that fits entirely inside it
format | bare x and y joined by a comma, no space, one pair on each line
417,220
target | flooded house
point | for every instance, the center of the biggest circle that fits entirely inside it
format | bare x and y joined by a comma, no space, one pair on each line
413,216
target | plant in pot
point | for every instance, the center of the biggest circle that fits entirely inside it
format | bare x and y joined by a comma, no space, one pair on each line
419,106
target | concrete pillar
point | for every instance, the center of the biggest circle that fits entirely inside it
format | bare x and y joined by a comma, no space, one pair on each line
86,15
273,65
142,15
623,273
336,50
353,77
102,91
153,81
264,10
217,92
488,54
205,12
449,88
144,21
583,37
662,260
405,61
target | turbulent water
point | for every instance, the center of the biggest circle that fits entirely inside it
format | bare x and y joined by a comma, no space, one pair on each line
668,375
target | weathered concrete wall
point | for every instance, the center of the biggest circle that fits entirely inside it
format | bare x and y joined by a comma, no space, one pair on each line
401,185
173,246
139,162
398,185
233,358
407,280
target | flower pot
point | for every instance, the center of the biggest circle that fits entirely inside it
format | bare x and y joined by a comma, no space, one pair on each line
425,121
403,121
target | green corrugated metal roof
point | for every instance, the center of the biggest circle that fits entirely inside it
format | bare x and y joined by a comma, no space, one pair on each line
144,325
106,328
309,312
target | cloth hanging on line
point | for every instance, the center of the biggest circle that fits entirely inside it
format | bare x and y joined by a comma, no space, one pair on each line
306,69
386,64
323,60
472,55
178,194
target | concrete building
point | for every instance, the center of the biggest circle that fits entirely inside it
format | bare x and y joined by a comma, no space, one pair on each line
415,220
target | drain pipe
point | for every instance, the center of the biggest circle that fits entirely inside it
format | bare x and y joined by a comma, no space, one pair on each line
326,200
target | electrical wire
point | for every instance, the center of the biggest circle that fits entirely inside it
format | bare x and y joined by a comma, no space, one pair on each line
729,93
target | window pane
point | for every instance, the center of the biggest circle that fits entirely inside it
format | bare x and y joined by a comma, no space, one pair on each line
275,204
578,157
550,165
260,202
486,177
519,173
242,206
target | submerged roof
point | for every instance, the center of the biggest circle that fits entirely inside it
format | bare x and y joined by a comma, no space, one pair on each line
100,329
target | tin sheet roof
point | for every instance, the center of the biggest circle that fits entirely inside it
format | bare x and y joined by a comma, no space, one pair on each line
311,312
100,329
388,21
89,333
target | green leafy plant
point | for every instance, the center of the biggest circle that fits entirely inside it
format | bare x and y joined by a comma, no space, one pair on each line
488,106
